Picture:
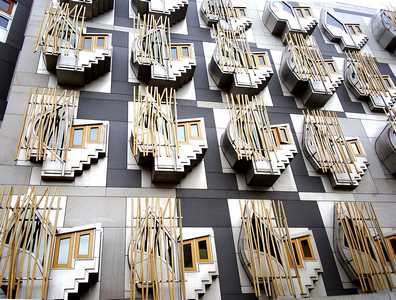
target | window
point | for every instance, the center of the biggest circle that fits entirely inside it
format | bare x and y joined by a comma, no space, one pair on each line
188,255
280,135
77,137
391,241
179,52
174,53
84,244
296,254
84,135
354,28
6,6
240,12
181,133
63,251
204,251
88,43
331,66
261,60
188,130
94,135
100,42
74,245
196,251
303,12
356,147
387,82
306,248
3,22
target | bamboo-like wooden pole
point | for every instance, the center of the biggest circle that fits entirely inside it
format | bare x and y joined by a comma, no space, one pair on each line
156,255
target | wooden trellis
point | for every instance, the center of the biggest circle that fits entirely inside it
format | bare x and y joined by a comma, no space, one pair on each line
371,80
153,40
46,125
155,122
233,51
334,153
223,9
155,251
366,244
61,29
267,239
308,61
27,240
250,127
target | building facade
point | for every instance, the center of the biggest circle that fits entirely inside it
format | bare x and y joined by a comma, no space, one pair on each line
197,149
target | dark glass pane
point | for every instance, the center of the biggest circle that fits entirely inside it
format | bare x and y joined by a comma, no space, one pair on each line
3,22
306,249
296,254
188,257
393,244
203,250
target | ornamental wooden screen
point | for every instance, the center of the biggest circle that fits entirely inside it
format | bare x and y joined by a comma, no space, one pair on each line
268,247
233,51
27,237
307,59
155,122
46,125
223,9
250,127
153,40
366,244
371,80
334,154
155,252
61,29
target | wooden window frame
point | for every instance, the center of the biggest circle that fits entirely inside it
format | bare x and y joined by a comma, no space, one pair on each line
187,131
104,43
98,137
389,245
190,136
294,243
305,12
308,239
240,11
179,51
331,64
359,147
354,28
390,84
73,128
91,233
209,249
11,4
265,58
94,42
193,256
60,237
277,136
185,141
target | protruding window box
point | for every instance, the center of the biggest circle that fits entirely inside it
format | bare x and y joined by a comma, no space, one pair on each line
157,61
283,17
74,56
364,252
306,74
170,146
51,136
349,36
330,152
77,259
221,12
366,82
385,145
234,68
274,255
383,27
175,10
93,8
7,12
252,145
